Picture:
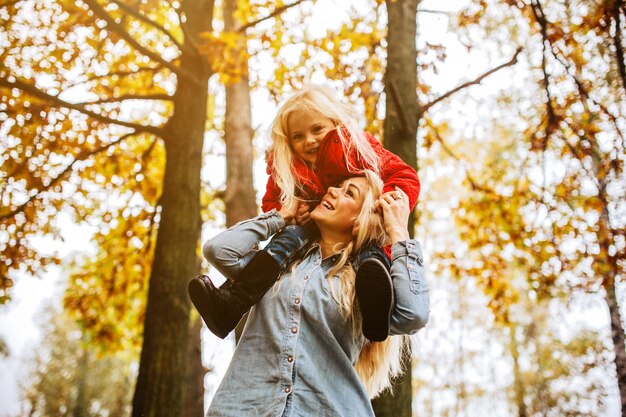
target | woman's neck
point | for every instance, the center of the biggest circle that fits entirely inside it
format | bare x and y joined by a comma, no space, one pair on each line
330,246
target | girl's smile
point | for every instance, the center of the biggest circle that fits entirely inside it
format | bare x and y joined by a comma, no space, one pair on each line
306,130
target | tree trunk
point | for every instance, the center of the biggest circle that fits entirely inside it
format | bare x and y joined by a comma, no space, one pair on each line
617,335
518,383
606,266
194,382
159,390
400,137
240,197
81,406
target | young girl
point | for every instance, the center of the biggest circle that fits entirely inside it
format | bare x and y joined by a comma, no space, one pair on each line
316,143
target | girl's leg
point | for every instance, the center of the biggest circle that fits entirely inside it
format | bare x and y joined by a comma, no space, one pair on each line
374,292
222,308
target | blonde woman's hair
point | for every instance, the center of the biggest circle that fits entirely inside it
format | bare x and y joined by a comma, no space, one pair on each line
320,100
378,362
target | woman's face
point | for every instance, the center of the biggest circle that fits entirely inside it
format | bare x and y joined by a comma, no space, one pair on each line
306,130
341,205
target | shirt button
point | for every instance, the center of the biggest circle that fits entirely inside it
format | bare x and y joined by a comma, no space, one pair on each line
294,329
289,358
288,390
306,277
297,301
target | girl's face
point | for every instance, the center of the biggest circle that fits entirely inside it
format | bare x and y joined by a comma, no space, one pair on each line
341,205
305,130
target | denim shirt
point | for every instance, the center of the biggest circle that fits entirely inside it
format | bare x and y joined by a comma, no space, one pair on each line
296,355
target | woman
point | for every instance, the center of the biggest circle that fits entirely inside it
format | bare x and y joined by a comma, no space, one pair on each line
302,352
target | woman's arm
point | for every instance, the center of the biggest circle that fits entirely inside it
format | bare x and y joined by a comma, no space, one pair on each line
407,267
410,288
231,250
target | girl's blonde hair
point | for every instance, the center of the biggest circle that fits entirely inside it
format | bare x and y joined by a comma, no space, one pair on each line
378,362
319,100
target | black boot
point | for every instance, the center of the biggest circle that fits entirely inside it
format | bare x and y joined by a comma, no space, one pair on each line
222,308
374,292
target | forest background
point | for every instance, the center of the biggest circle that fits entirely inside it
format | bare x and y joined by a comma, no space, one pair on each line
133,130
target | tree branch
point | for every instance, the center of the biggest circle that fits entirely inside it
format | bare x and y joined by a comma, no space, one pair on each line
55,101
119,29
9,3
475,185
583,91
478,80
553,121
59,177
113,74
271,15
189,38
127,97
617,41
140,16
433,11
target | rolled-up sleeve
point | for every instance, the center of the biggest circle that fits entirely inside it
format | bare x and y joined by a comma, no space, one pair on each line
231,250
410,286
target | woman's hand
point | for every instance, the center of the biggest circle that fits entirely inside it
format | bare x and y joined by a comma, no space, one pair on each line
303,213
288,211
395,208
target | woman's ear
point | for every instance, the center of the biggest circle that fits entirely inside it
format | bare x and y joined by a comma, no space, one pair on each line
355,226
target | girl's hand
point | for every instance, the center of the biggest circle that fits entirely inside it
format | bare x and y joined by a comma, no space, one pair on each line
395,208
288,211
303,213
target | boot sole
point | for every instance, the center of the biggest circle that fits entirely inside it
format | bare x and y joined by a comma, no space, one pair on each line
198,294
374,291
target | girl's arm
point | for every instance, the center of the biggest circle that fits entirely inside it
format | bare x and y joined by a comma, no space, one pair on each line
272,196
231,250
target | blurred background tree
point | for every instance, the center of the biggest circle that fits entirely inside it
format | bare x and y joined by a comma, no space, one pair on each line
72,376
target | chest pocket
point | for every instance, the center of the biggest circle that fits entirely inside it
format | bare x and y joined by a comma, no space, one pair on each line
332,287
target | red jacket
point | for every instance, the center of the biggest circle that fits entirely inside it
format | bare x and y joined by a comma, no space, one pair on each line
331,169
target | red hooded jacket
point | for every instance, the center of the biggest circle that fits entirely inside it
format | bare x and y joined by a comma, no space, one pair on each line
331,168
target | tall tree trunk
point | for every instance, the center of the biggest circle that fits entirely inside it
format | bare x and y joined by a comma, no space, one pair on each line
81,407
159,390
617,335
194,382
400,137
607,266
240,197
518,383
403,110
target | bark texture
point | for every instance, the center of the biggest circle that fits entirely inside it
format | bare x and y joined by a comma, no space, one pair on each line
400,137
194,382
606,266
160,383
240,197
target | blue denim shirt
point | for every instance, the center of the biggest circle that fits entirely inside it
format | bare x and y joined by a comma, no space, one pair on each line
296,355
